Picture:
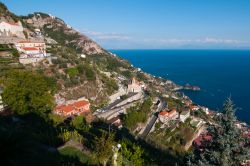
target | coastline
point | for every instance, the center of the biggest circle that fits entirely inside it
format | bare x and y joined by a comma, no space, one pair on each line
220,74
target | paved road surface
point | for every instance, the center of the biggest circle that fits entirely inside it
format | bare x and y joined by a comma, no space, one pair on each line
153,119
149,126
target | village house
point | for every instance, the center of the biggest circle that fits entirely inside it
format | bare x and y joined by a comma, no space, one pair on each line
8,29
38,32
135,86
116,121
205,109
30,50
166,115
194,107
32,47
184,115
75,108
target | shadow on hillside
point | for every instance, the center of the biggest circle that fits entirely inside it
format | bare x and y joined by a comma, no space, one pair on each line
152,154
30,140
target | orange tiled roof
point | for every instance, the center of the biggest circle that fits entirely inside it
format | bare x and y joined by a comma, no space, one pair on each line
173,111
163,113
81,103
29,48
68,108
65,108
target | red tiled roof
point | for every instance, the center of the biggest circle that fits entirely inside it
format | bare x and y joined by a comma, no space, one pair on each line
81,103
163,113
68,108
65,108
173,111
168,113
29,48
60,106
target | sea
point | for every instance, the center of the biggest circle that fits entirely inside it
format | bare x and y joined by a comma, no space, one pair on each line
219,73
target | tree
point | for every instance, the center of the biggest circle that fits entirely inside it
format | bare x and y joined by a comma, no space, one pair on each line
227,145
103,147
132,152
79,123
26,92
15,53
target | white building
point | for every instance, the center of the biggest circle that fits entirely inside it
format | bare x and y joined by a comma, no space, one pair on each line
205,109
135,86
31,47
83,56
11,29
165,116
184,115
38,32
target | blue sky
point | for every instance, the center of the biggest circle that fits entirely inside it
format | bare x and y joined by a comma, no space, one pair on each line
151,24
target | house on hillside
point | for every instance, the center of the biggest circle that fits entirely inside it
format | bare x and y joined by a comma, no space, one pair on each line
166,115
30,50
194,107
8,29
32,47
184,115
75,108
135,86
116,121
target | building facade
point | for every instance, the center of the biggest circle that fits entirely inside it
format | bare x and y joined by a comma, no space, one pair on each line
31,47
135,86
167,115
184,115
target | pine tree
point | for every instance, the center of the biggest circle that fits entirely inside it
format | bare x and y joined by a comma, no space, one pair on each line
227,145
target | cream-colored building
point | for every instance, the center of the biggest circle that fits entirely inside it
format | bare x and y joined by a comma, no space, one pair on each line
167,115
135,86
184,115
32,47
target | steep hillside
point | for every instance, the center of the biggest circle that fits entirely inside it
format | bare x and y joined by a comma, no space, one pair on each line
6,15
62,33
95,77
75,76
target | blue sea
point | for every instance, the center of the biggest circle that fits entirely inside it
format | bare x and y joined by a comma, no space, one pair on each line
219,73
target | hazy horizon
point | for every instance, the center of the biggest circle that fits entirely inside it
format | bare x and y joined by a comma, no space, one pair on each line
149,25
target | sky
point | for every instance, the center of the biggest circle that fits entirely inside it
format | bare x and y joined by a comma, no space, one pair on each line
151,24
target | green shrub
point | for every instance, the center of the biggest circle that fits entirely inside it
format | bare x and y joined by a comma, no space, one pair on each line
72,72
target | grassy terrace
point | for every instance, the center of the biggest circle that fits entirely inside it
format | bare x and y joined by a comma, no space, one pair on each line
75,154
173,137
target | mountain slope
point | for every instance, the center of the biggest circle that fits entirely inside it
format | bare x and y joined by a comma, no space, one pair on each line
62,33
